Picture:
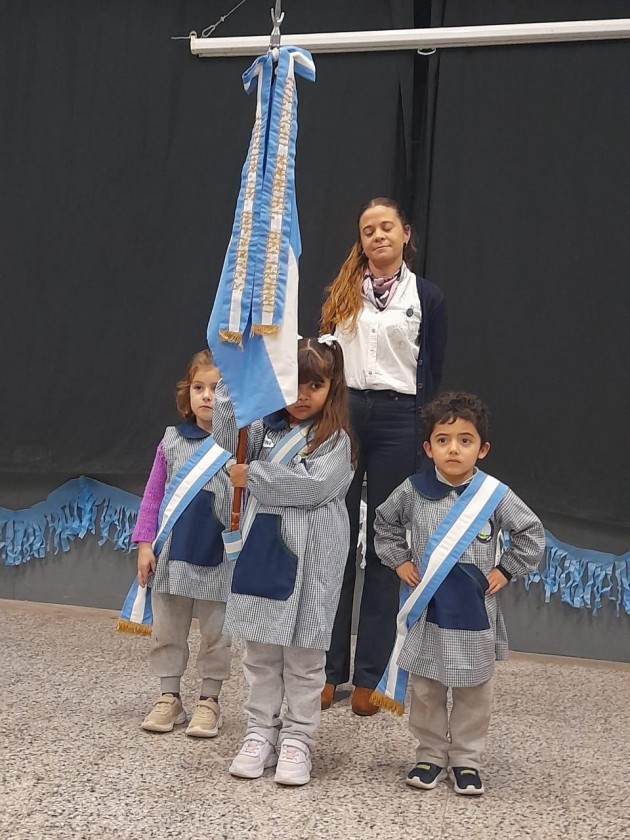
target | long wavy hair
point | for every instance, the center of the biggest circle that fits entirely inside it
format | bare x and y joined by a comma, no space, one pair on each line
343,302
203,359
317,362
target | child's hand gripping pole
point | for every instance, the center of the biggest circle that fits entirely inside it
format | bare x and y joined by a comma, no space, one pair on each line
238,491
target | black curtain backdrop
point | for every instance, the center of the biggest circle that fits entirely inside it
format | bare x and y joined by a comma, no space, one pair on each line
523,203
120,161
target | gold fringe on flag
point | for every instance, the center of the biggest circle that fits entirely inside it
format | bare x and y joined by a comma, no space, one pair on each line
231,336
125,626
378,699
265,329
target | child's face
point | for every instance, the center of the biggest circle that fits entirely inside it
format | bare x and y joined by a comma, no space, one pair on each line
311,399
455,448
202,395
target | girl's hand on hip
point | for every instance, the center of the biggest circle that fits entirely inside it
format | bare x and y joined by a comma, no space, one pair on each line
146,562
238,475
496,580
408,573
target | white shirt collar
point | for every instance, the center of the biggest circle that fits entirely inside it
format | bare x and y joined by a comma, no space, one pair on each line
441,478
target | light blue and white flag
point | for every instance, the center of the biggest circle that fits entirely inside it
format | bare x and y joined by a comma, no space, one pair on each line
252,331
446,545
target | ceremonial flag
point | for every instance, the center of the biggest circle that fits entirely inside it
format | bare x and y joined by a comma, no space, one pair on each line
252,331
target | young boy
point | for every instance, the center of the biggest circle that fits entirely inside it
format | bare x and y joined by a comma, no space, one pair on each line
450,627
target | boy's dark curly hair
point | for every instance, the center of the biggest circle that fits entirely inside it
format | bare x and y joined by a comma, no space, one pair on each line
456,405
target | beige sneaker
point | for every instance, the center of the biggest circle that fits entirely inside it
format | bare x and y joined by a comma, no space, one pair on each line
206,720
167,711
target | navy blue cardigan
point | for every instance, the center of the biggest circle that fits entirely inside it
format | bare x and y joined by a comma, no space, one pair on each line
433,335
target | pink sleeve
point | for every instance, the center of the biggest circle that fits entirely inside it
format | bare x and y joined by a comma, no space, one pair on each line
147,525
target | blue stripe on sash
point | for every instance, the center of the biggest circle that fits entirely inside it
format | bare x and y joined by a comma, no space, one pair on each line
136,615
206,461
279,172
260,77
391,689
282,453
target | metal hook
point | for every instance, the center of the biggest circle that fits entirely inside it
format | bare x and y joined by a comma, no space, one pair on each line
277,16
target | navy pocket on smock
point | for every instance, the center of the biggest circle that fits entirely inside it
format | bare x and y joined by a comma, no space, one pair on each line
196,537
460,601
265,567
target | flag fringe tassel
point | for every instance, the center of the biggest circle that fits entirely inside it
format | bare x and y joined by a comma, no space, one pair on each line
231,336
378,699
265,329
125,626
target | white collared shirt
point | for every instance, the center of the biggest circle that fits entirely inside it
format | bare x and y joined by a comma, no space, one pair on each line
444,480
383,353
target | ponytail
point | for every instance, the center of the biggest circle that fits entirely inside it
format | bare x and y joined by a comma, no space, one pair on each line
343,303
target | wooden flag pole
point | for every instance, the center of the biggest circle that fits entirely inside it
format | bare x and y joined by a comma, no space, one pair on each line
238,491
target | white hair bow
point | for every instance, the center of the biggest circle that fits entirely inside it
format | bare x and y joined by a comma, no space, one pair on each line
328,340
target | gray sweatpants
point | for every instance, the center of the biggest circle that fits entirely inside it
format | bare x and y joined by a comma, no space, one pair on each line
272,672
467,726
172,616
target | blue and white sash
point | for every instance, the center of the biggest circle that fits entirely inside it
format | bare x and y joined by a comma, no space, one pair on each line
283,453
206,461
136,615
450,540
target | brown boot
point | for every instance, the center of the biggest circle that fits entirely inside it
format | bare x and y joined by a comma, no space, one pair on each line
361,702
328,695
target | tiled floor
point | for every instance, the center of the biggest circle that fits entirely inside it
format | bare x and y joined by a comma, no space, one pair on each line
74,763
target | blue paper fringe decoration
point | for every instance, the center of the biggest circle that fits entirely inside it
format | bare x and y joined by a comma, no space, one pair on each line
80,506
583,577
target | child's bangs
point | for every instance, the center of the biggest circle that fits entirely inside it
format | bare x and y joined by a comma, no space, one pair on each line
195,370
312,367
453,415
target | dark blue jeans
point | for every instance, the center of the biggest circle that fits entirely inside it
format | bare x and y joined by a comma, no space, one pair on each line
384,426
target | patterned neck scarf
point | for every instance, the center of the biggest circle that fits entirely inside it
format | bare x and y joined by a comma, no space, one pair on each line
382,288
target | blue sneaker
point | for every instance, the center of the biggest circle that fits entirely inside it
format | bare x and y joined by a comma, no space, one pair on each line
467,781
425,775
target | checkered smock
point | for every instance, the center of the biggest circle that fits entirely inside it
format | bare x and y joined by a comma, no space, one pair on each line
176,577
456,657
309,496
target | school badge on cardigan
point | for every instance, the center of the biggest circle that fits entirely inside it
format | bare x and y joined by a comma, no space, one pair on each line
454,534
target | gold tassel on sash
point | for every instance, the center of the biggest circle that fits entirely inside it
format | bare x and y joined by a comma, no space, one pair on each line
378,699
126,626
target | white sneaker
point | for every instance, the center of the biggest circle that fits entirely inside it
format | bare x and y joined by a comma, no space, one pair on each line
294,763
206,720
255,755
